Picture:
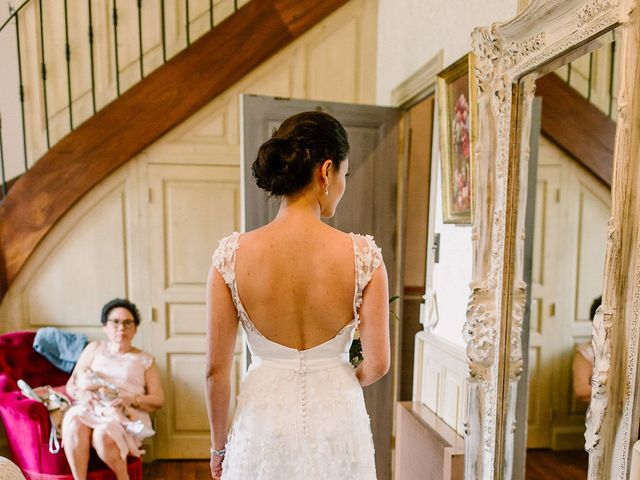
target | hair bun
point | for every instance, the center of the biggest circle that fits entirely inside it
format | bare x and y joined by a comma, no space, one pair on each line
282,166
285,162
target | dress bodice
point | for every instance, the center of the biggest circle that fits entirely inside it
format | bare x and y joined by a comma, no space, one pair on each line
367,258
124,370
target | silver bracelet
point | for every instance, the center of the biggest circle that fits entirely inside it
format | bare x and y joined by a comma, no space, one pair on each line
217,453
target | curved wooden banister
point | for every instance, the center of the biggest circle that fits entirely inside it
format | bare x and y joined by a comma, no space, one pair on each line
577,126
141,115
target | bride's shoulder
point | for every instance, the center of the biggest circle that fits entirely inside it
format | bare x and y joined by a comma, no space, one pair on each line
365,242
231,238
368,259
226,244
368,254
223,254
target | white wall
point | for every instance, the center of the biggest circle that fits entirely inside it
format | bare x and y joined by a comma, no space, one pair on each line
411,32
452,275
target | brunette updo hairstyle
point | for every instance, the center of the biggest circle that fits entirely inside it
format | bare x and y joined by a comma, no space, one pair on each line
286,161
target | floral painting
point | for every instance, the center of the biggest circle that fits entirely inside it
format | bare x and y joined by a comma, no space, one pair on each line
456,109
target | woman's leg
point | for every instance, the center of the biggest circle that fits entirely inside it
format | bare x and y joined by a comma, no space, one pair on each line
109,453
76,439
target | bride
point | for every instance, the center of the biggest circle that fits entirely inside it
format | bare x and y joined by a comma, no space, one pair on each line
299,288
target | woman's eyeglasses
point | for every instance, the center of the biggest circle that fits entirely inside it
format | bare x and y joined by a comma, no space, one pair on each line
116,322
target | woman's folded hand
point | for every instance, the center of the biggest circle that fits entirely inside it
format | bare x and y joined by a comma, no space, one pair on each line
124,400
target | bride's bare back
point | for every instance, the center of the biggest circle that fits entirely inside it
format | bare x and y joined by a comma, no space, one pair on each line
296,280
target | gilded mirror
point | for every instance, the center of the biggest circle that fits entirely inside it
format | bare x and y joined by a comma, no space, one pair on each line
510,57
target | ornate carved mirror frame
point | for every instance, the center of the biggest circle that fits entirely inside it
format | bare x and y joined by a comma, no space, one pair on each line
509,56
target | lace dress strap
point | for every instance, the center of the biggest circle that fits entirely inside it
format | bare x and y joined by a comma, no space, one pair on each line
224,258
368,257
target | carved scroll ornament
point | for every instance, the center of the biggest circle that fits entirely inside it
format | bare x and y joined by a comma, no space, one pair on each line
601,343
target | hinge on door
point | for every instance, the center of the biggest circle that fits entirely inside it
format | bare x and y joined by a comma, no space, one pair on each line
557,195
152,314
149,195
393,442
552,309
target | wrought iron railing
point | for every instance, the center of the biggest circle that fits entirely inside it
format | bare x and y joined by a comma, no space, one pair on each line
31,106
594,77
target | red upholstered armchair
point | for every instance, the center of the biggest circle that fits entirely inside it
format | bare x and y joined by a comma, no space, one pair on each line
27,422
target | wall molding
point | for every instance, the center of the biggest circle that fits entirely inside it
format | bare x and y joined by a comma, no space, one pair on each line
419,84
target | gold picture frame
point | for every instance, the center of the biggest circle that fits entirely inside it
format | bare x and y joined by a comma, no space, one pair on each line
457,122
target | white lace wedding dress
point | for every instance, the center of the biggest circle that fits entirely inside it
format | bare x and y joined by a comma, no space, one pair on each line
300,414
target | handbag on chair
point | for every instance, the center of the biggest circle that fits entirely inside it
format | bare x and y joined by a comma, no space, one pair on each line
56,403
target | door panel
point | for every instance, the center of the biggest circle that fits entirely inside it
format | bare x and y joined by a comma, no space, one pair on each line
189,205
585,204
572,212
368,206
543,300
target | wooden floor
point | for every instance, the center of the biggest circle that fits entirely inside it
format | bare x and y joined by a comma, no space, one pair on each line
177,470
541,465
565,465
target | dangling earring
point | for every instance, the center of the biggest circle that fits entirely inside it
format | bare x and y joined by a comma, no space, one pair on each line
326,190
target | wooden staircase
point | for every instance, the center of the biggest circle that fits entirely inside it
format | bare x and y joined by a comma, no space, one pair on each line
141,115
577,126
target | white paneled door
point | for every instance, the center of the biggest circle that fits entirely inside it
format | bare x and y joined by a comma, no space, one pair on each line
572,211
190,206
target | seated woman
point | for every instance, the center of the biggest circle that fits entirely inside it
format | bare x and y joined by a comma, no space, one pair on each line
582,366
115,386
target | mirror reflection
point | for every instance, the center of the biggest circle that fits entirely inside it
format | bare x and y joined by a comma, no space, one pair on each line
569,195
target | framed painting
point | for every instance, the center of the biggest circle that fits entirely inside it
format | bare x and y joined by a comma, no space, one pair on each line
457,110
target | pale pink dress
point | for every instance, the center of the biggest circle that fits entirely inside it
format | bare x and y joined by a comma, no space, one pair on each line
127,372
586,350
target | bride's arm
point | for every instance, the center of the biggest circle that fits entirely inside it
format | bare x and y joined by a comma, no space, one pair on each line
222,328
374,329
